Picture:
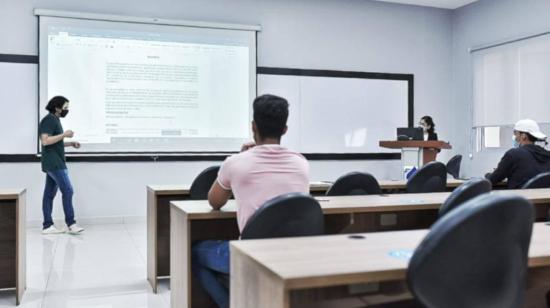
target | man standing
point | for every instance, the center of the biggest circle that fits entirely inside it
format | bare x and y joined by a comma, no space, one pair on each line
53,164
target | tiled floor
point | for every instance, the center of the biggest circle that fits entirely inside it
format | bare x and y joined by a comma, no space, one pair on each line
104,268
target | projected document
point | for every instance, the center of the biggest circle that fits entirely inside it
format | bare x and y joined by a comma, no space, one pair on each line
152,91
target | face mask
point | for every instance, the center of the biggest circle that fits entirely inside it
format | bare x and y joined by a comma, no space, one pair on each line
515,143
64,113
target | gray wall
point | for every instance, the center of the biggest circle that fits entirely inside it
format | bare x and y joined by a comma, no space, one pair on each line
318,34
480,23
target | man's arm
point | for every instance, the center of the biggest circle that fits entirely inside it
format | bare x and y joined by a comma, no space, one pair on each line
218,196
49,140
74,144
503,170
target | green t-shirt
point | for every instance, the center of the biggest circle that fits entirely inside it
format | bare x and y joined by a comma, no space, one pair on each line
53,156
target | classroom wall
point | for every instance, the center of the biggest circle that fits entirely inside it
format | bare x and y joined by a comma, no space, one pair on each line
316,34
481,23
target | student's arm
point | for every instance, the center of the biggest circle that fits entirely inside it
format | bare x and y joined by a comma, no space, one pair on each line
503,170
220,191
218,196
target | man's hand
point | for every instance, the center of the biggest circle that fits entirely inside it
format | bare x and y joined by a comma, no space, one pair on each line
68,134
76,145
248,146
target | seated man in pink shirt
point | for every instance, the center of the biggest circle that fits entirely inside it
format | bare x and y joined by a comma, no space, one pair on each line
263,170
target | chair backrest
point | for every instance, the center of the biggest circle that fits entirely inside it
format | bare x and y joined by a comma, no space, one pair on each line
453,166
203,182
465,192
475,256
432,177
540,181
288,215
355,183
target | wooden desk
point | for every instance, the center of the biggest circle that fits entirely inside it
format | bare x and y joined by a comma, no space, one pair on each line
195,220
158,225
158,220
278,273
13,241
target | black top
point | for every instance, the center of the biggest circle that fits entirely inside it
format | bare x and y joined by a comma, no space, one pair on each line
432,136
519,165
53,155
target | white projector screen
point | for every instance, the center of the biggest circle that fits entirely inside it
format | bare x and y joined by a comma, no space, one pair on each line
136,87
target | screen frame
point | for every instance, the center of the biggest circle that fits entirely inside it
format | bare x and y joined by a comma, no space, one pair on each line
139,20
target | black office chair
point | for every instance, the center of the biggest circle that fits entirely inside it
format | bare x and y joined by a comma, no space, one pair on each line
203,182
475,256
288,215
540,181
463,193
453,166
432,177
355,183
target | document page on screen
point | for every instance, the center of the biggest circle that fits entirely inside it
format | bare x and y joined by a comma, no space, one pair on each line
149,88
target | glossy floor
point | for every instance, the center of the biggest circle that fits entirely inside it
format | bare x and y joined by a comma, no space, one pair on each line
104,268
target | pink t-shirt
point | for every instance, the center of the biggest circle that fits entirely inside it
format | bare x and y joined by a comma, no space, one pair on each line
260,174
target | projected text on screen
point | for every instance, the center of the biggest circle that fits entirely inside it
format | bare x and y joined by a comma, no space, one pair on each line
154,90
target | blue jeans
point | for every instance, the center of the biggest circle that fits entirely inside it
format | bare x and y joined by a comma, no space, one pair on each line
210,259
57,179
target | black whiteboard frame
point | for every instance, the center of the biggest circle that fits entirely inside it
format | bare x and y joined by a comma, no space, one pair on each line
348,74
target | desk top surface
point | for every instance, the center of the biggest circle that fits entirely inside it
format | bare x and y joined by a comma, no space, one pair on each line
11,193
319,186
200,209
338,259
399,144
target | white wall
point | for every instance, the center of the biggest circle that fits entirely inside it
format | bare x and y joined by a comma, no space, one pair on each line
481,23
317,34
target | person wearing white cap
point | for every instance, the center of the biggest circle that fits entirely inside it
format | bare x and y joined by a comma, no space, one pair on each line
526,159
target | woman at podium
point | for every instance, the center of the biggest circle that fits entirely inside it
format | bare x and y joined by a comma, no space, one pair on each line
427,123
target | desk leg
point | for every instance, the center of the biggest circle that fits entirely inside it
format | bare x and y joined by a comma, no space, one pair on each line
253,286
8,244
21,243
158,236
180,246
152,240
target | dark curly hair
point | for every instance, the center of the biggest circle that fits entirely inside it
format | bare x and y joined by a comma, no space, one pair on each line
430,122
56,102
270,115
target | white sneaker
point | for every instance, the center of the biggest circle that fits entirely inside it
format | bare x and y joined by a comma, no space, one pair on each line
75,229
52,230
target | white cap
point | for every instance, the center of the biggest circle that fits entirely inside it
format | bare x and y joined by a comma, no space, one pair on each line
531,127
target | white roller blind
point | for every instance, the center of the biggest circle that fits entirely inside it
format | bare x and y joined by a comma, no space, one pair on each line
512,82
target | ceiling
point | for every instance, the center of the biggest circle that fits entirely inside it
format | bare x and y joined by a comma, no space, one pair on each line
445,4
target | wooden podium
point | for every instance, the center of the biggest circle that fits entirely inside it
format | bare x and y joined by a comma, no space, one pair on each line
415,153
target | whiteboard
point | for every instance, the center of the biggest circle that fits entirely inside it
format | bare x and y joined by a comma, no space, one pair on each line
327,114
339,115
19,104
